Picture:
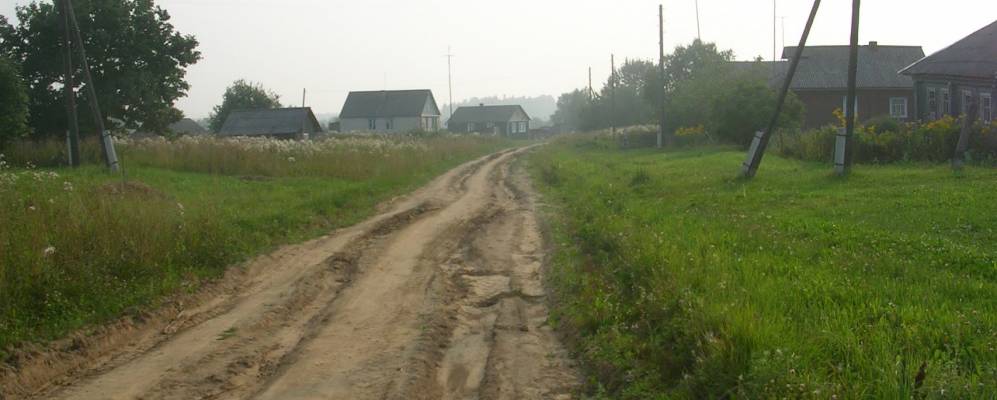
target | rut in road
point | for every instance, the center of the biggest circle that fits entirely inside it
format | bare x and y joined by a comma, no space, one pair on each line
439,297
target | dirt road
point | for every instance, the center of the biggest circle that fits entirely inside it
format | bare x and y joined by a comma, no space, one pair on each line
438,297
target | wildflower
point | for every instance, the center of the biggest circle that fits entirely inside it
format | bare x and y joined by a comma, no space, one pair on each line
291,159
48,251
180,207
31,208
67,186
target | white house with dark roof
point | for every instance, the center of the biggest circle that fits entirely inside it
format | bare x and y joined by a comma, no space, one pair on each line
390,111
509,120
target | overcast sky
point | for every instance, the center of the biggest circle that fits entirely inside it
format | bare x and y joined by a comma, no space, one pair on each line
510,47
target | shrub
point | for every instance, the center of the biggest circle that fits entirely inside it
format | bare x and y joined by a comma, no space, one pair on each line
886,141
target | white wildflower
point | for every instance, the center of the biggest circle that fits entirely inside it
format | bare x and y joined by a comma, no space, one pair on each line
48,251
67,186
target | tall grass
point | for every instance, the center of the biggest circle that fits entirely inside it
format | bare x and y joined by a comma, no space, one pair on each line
79,247
682,282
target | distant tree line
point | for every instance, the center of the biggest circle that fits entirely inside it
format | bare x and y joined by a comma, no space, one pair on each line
701,88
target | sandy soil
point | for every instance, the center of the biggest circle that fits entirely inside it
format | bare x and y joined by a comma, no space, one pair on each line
440,296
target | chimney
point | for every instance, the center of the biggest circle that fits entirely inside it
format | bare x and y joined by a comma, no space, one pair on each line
874,45
481,104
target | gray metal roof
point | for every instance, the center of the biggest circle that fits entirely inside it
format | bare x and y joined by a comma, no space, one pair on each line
390,103
187,126
279,121
974,56
489,114
826,67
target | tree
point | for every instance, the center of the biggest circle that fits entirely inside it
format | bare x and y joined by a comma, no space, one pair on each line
242,95
138,62
747,107
571,110
692,61
13,102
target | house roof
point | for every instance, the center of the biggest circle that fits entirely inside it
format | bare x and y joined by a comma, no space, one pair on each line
485,113
390,103
974,56
187,126
278,121
826,67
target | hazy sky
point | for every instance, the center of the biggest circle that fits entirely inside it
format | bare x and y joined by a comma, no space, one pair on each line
510,47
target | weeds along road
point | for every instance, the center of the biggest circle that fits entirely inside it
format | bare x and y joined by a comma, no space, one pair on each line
438,297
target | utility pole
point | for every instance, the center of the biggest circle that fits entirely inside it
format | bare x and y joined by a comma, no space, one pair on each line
783,21
69,85
304,93
612,95
761,140
699,33
110,155
590,84
661,76
844,145
450,80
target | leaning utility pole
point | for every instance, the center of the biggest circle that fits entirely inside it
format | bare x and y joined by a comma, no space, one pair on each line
761,140
68,88
110,156
844,146
661,76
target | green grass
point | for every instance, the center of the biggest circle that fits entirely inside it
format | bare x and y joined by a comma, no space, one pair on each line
77,250
679,281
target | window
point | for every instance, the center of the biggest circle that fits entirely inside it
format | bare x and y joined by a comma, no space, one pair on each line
372,124
389,124
932,104
946,103
967,101
898,107
986,107
471,127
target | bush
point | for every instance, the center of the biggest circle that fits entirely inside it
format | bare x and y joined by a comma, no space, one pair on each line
13,103
887,141
747,108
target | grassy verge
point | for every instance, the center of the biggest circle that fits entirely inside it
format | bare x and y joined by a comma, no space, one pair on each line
78,248
682,282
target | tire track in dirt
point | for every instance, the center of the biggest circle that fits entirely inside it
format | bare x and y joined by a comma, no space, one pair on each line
439,296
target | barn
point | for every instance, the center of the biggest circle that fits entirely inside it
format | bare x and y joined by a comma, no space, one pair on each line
280,123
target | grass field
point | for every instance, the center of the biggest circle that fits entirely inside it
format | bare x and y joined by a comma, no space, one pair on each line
78,248
679,281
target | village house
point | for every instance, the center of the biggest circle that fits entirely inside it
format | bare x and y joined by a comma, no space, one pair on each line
821,81
509,120
390,111
279,123
958,77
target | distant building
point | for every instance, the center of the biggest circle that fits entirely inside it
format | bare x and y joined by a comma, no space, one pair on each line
187,126
821,81
499,120
390,111
279,123
965,73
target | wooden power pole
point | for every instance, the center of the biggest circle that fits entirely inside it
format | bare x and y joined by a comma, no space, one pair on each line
844,146
110,156
661,76
69,85
761,140
612,95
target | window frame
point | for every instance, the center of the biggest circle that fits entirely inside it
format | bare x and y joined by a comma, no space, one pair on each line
967,98
987,114
932,103
904,103
946,102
